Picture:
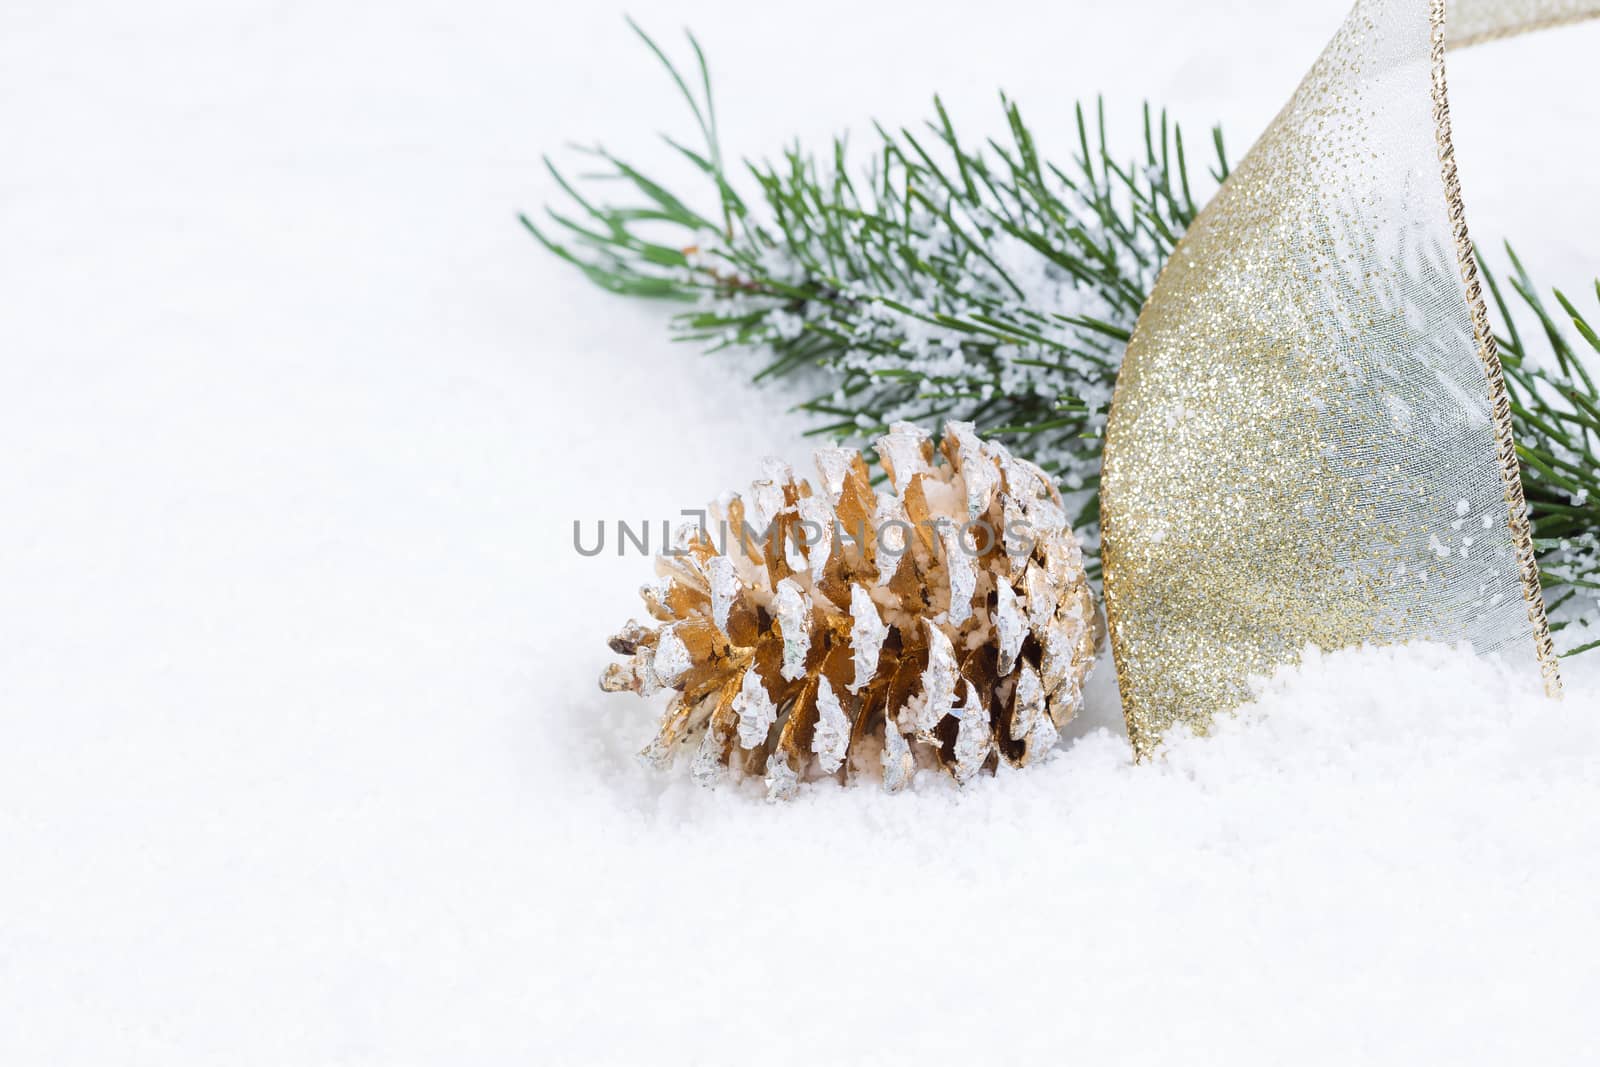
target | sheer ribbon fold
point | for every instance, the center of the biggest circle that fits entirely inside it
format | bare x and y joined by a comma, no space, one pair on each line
1310,440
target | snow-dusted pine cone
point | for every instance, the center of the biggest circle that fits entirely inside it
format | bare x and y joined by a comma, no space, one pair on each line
949,623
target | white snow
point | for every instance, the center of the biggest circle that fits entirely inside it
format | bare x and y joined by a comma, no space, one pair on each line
302,758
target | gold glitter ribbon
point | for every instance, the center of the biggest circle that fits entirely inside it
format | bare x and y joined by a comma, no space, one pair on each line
1310,440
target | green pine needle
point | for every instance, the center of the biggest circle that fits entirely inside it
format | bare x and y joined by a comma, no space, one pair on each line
946,279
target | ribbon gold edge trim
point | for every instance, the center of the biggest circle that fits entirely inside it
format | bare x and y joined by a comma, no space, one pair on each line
1503,32
1488,350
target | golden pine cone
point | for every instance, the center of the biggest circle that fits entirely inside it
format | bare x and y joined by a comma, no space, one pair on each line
793,621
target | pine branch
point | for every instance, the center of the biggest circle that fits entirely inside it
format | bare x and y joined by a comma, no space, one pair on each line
1557,412
983,282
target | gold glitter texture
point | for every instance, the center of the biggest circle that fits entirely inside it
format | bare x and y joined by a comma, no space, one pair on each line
1310,441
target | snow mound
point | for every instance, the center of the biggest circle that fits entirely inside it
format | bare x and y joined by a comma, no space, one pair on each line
1390,851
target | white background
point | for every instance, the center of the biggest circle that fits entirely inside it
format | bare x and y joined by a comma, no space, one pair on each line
301,755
